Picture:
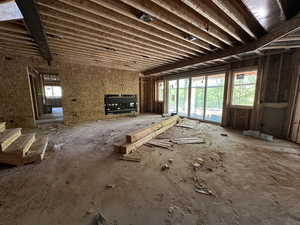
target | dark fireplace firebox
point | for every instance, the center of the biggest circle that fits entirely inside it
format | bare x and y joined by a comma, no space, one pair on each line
117,104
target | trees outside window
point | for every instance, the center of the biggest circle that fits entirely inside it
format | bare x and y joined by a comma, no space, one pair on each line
243,89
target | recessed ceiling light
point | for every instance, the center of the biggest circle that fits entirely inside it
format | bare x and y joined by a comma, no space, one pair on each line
146,18
190,38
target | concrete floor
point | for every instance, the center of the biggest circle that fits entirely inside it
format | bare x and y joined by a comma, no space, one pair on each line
255,182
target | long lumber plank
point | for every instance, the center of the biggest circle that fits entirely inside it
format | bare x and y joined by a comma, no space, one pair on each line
130,147
139,134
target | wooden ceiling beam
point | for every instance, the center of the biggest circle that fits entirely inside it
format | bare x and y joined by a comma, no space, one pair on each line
106,33
230,10
99,52
108,18
110,35
133,13
276,33
184,12
289,38
171,19
68,33
204,9
34,25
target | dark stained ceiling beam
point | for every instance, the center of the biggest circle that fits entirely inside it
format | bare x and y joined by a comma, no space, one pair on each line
277,32
34,25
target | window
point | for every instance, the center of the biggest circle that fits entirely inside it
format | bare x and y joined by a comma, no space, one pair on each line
243,91
53,91
161,91
183,97
214,97
172,96
197,97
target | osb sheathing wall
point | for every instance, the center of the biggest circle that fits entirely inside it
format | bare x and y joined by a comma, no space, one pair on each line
84,87
15,100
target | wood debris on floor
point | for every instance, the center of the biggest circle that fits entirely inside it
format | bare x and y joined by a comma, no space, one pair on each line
138,138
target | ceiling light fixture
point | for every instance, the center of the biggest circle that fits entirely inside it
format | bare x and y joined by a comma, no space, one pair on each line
190,38
146,18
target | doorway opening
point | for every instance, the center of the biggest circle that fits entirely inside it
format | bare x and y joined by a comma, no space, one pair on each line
47,95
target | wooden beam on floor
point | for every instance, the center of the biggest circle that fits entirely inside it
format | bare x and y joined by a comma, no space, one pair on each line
34,25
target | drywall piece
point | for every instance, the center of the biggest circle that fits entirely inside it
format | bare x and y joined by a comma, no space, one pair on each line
21,146
8,137
2,126
139,134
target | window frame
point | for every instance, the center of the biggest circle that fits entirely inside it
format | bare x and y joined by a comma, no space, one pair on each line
158,91
233,73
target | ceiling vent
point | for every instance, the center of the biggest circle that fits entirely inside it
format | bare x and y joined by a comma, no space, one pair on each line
190,38
146,18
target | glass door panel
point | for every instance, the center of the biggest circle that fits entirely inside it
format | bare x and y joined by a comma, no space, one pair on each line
183,96
197,97
214,98
172,96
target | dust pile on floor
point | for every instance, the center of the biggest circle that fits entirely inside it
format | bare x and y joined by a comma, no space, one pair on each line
226,179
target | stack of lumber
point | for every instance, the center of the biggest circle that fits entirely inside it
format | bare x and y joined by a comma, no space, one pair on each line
138,138
19,149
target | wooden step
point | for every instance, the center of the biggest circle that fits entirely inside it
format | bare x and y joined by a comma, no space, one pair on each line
21,146
8,137
37,151
2,126
35,154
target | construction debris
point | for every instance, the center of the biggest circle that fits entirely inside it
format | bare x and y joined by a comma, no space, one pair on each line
204,190
130,158
162,143
192,140
258,134
139,138
100,220
165,167
110,186
185,123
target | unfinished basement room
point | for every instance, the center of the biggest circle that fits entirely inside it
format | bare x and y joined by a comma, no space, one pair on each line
149,112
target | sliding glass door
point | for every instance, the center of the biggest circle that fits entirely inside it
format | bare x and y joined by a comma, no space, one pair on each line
183,97
197,97
202,99
214,98
172,96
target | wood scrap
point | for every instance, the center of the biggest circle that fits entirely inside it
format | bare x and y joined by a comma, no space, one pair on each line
130,158
162,143
192,140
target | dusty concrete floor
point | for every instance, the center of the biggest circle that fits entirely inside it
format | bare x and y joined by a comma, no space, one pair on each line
255,182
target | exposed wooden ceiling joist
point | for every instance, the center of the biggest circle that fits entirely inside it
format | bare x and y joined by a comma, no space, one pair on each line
126,10
205,24
211,14
169,18
276,33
